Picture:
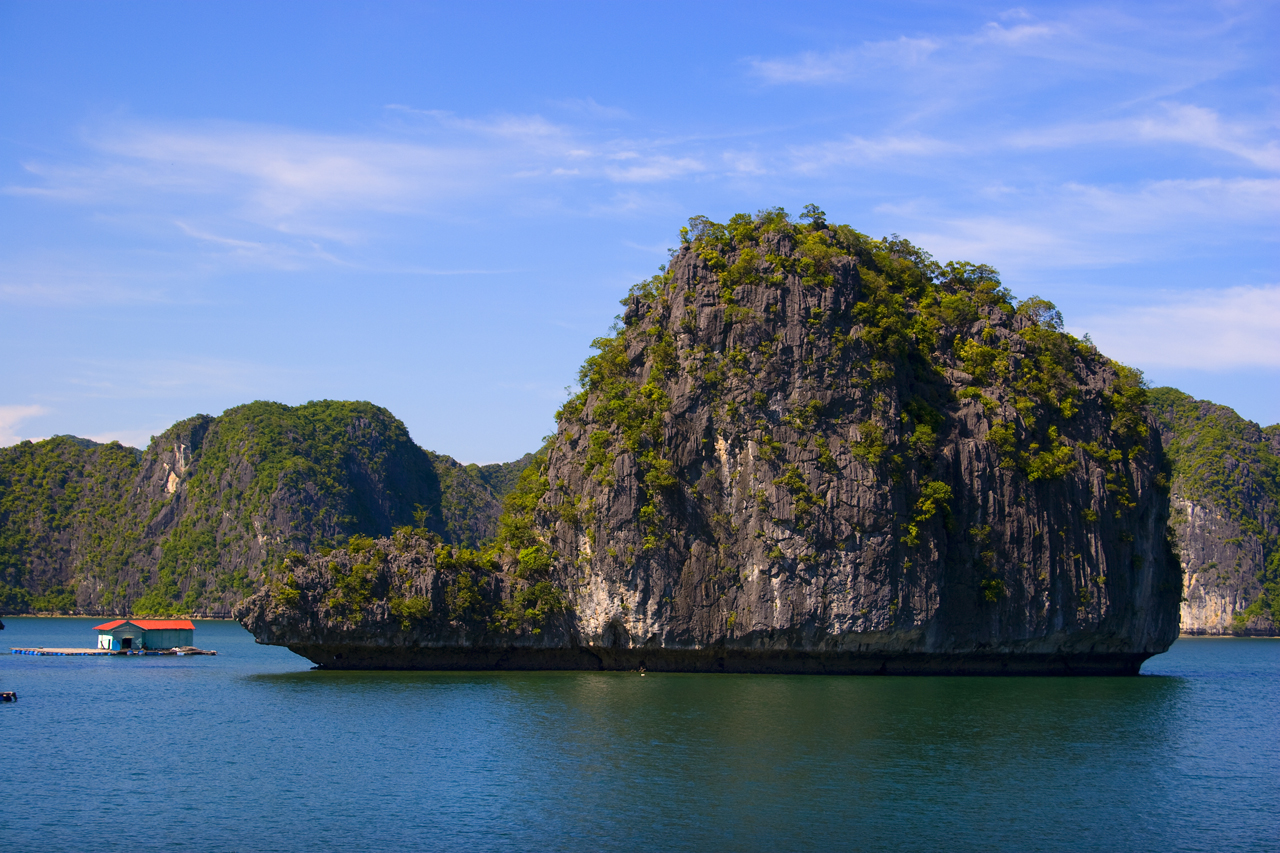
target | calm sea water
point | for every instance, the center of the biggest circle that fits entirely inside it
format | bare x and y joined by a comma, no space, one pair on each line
250,750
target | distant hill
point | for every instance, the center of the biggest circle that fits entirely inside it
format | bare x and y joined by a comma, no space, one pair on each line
1225,501
59,499
192,524
471,495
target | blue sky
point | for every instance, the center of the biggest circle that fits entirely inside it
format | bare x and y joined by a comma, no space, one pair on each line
436,206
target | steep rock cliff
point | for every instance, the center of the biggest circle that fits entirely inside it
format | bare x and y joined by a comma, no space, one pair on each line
1226,494
803,450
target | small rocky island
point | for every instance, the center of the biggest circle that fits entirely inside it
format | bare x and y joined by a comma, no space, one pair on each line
801,450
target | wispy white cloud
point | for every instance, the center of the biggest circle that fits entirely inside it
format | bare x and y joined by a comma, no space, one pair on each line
1228,329
298,254
288,199
11,416
1076,225
1015,14
1175,123
1004,240
78,293
1011,53
953,90
129,379
245,182
953,53
842,65
631,167
1181,123
529,131
590,107
744,162
43,278
1018,35
286,172
285,181
1208,204
855,150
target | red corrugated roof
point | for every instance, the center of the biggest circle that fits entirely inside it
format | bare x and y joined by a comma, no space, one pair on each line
149,624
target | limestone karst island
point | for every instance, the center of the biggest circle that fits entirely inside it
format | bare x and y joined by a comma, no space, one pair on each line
800,450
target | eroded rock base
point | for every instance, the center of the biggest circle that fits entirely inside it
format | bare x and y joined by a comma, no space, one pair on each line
589,658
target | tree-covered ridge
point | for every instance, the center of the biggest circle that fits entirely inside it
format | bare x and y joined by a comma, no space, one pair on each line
265,479
471,496
313,449
208,512
502,477
1221,460
1219,456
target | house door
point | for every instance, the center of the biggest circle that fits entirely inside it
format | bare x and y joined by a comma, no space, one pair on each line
126,643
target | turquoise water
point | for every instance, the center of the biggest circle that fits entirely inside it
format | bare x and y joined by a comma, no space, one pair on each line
250,750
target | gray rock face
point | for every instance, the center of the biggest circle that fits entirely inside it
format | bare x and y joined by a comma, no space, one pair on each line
1226,486
1221,563
809,451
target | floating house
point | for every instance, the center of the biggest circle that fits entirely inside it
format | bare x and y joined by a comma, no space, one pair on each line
125,635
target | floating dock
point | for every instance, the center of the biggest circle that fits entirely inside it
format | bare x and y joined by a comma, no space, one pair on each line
110,653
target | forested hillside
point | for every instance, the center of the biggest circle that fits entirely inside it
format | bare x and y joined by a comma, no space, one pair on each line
1226,498
191,524
58,498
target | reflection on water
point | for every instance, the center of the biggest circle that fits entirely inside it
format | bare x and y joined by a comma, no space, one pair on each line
253,749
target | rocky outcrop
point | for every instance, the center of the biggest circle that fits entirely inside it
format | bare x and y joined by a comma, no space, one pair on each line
1226,493
803,450
411,602
207,513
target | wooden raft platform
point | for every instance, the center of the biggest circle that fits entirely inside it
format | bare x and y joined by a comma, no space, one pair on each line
108,652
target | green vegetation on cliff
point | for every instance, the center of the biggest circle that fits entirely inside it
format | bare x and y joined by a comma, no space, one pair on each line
529,598
413,582
1230,467
470,494
1221,457
913,319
